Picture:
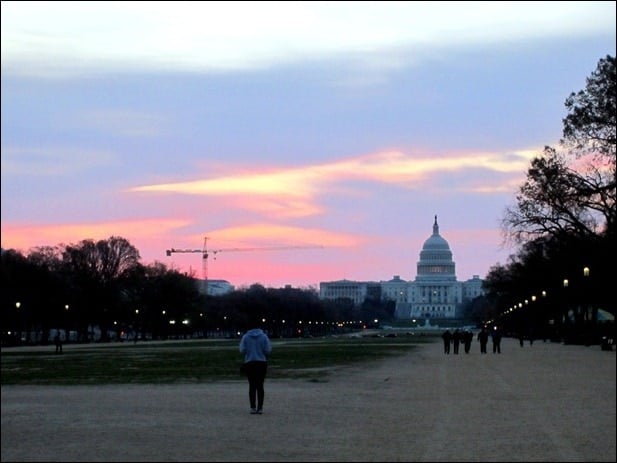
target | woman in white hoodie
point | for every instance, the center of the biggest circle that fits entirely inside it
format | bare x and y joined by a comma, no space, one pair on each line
256,347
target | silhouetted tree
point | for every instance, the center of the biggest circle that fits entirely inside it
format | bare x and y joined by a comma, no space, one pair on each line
573,191
101,270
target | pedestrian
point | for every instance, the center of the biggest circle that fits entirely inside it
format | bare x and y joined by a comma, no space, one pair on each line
58,343
483,338
447,337
256,348
467,339
496,337
456,340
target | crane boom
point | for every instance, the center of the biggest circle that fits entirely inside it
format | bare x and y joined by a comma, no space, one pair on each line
169,251
205,253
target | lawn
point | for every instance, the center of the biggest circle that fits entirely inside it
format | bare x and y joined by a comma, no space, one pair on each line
205,360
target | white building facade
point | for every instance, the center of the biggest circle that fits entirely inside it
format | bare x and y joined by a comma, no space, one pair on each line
343,289
214,287
435,292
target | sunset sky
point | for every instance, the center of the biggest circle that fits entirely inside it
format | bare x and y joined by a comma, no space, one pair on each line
333,132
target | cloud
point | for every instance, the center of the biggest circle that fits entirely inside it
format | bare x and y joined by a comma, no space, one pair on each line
121,122
52,161
294,191
23,236
60,38
266,234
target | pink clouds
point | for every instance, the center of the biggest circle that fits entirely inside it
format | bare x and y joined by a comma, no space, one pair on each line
272,207
25,236
294,191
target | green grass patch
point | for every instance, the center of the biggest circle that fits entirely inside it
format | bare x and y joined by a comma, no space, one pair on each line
190,361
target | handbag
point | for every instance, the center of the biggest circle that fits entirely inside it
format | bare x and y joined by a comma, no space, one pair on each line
243,368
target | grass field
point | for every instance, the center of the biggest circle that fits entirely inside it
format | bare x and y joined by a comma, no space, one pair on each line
191,361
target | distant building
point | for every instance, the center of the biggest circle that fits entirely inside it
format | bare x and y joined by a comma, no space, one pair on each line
472,288
435,292
214,287
394,289
357,291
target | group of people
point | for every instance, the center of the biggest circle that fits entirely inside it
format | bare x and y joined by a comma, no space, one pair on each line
255,346
456,337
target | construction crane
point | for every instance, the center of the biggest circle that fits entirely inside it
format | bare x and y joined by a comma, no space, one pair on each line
205,253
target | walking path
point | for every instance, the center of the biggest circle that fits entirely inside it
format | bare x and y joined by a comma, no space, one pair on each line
546,402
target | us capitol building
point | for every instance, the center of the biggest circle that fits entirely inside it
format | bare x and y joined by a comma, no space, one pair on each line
435,292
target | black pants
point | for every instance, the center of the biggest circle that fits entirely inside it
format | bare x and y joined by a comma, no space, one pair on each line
256,374
483,348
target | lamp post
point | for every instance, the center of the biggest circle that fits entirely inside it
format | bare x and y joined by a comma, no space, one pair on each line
19,318
67,323
566,315
591,311
588,316
136,326
545,316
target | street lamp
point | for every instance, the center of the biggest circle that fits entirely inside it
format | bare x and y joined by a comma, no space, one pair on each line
17,306
591,312
566,320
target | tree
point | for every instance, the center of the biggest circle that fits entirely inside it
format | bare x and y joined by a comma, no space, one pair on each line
100,272
556,200
590,125
162,295
573,191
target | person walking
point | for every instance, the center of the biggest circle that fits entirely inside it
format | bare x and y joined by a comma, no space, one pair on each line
256,348
447,337
467,339
456,340
483,338
496,336
58,342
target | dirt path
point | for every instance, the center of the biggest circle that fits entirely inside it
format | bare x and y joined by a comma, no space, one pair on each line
548,402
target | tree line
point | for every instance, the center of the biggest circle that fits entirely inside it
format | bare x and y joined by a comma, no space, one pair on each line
560,281
100,290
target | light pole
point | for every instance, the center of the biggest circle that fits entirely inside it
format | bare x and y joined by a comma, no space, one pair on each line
566,315
591,311
136,326
19,319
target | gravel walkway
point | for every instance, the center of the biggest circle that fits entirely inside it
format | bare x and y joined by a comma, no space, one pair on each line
546,402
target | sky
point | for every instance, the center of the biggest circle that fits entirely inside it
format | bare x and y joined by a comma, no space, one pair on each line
307,141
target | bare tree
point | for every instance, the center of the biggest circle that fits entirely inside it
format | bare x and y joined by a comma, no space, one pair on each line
573,191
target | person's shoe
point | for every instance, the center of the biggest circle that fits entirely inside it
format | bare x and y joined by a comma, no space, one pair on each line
254,411
259,411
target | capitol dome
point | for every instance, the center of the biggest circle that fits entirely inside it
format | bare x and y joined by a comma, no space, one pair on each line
436,258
